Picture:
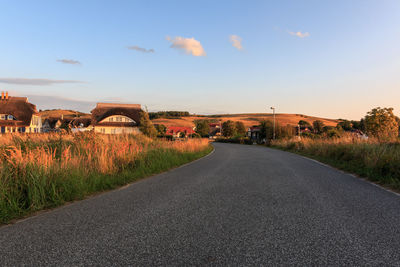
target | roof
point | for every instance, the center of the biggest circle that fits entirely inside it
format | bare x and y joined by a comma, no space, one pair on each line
81,121
254,129
178,129
20,108
52,121
104,110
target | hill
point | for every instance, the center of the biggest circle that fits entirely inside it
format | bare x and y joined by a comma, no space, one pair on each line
57,113
248,120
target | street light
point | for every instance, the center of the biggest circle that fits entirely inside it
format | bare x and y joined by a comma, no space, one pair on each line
274,122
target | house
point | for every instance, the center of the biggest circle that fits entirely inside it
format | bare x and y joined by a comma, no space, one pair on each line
52,124
254,133
81,124
18,115
215,129
179,132
112,118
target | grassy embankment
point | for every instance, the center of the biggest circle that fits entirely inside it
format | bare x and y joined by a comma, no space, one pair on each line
377,161
44,171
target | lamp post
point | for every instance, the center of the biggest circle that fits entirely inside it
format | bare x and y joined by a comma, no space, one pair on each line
273,109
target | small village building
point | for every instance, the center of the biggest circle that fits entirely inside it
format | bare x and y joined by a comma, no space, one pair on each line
254,133
215,129
81,124
179,132
52,125
18,115
112,118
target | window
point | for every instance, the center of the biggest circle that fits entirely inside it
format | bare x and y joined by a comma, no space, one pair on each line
111,119
113,131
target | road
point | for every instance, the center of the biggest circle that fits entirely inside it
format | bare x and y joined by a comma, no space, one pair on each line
242,205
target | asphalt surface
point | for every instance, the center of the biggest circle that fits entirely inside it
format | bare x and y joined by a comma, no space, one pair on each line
241,205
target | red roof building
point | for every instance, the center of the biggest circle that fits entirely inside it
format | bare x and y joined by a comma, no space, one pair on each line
177,131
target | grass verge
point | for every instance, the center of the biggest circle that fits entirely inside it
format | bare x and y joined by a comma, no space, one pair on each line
378,162
30,186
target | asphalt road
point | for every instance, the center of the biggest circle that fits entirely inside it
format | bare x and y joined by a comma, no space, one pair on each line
242,205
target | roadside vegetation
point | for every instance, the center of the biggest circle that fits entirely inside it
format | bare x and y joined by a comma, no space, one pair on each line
375,155
46,170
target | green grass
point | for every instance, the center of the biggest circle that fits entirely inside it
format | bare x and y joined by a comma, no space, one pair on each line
37,189
379,162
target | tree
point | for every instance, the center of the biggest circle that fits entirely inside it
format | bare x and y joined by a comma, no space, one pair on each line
161,129
228,128
146,126
318,126
345,125
240,129
202,127
304,124
381,123
266,130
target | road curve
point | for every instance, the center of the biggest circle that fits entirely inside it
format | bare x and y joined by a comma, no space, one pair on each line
242,205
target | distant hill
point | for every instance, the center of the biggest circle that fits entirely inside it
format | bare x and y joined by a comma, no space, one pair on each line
57,113
248,120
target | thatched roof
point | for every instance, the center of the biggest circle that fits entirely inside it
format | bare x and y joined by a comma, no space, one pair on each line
104,110
20,108
52,121
84,121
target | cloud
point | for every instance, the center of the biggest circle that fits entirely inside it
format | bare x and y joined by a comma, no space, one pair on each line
236,41
141,49
299,34
44,82
188,45
69,61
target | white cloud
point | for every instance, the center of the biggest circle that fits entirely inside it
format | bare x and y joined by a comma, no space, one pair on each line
299,34
141,49
69,61
236,41
43,82
188,45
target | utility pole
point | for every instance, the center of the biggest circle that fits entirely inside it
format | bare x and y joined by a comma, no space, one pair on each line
273,109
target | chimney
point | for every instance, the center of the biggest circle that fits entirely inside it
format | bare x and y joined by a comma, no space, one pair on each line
6,95
2,95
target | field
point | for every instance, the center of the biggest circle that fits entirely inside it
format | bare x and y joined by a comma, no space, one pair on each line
44,171
378,161
248,120
57,113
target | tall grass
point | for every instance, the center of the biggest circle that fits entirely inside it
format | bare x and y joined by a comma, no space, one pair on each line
378,161
43,171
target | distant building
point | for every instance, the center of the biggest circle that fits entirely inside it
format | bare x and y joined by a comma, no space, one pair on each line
51,124
81,124
18,115
254,133
179,132
110,118
215,129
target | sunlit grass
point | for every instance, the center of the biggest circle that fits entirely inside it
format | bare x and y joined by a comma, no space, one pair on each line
42,171
378,161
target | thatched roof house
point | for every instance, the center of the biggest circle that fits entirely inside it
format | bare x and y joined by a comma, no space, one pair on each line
18,115
116,118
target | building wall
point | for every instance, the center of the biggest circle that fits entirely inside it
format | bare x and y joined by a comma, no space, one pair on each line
116,130
35,126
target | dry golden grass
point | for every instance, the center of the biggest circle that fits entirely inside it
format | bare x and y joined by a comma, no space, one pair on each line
247,119
379,161
45,170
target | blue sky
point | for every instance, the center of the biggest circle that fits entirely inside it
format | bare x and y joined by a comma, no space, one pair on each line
324,58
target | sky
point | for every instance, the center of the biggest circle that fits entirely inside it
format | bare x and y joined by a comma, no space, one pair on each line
334,59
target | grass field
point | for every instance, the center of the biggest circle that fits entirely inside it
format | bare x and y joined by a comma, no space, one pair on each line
379,162
44,171
247,119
